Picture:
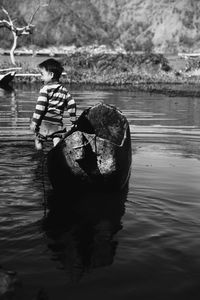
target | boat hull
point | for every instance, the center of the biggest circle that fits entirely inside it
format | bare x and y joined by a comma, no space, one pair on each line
6,79
87,161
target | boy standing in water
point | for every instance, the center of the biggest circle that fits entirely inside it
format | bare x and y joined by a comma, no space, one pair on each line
52,101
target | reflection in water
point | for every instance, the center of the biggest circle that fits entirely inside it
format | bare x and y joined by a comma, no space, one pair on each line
4,89
158,251
14,108
81,234
7,92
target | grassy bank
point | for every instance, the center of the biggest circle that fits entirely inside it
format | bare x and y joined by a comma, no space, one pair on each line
116,69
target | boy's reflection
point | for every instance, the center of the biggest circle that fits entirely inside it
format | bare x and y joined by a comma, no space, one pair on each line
81,235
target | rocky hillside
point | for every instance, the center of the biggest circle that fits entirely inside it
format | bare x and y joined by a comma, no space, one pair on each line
160,25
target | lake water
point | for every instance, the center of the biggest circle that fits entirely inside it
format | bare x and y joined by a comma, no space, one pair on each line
144,245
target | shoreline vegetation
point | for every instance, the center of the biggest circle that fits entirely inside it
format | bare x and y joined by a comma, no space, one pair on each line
104,67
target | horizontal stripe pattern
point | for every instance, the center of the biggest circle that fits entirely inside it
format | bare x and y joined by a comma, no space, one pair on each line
53,99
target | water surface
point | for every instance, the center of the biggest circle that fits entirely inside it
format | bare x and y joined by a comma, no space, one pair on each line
142,244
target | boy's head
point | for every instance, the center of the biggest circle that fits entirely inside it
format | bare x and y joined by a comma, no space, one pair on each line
51,69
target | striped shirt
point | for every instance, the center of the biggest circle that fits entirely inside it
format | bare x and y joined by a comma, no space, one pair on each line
51,103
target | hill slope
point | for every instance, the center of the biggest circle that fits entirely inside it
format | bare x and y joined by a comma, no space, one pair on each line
162,25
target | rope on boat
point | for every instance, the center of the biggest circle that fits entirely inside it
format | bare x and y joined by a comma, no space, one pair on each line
44,155
83,145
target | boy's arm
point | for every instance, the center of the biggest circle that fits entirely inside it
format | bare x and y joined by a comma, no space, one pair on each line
40,109
71,108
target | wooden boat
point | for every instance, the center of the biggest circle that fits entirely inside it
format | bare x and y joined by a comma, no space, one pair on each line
6,78
96,155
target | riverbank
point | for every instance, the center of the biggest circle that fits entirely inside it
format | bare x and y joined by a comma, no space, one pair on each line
107,68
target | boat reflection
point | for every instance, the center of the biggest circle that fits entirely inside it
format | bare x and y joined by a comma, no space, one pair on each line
81,236
5,89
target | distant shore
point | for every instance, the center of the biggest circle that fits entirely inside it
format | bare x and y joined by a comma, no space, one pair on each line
103,68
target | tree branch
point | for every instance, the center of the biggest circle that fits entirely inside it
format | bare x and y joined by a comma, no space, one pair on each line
18,31
5,23
8,16
32,17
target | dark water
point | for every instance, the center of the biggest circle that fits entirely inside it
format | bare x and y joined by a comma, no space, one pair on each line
143,244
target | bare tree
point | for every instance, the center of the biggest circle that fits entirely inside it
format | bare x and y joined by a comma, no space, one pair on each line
18,31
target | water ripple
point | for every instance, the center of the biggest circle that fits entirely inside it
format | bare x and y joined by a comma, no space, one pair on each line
157,246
